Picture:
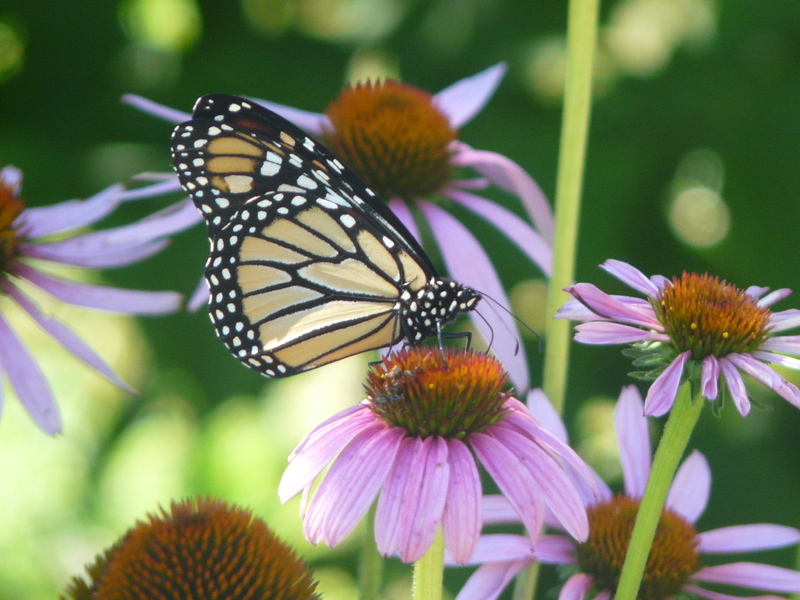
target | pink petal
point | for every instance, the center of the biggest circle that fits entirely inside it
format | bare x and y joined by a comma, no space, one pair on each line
576,587
402,212
735,386
469,264
314,123
766,375
509,176
72,214
555,550
633,439
747,538
11,177
752,575
171,184
515,481
461,520
489,580
785,319
710,377
497,547
661,395
495,508
199,296
155,109
574,310
350,486
321,445
774,297
525,237
96,296
66,337
465,98
631,276
424,498
601,333
688,495
703,593
390,502
612,308
542,409
771,357
28,381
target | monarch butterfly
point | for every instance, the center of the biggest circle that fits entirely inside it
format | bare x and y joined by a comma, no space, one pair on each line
307,264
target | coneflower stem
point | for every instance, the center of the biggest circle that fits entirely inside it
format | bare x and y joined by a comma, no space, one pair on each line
428,571
682,419
581,42
370,562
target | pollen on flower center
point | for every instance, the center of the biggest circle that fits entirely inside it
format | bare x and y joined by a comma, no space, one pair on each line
393,136
711,317
11,207
673,557
429,393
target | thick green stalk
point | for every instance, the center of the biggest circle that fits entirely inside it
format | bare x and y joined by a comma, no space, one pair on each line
682,419
428,572
370,563
581,42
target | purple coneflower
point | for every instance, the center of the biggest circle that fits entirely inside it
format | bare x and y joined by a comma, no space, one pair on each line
48,233
695,326
403,142
675,564
413,442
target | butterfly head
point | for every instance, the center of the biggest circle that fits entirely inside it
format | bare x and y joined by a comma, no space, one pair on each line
435,304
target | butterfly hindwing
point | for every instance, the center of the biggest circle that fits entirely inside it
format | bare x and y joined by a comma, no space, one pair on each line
298,282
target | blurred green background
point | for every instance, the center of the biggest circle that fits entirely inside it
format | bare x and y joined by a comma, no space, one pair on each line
693,163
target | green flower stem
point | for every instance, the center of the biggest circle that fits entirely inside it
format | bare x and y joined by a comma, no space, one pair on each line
682,419
581,42
370,562
428,572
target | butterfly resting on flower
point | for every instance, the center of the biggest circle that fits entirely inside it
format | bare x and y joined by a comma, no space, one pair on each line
307,265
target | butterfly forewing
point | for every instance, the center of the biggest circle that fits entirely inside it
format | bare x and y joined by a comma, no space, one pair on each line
307,265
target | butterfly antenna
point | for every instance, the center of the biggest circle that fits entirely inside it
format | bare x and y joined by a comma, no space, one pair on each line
516,318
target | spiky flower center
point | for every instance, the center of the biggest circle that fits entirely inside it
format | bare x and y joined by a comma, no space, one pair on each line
394,137
673,557
427,392
711,317
11,207
202,549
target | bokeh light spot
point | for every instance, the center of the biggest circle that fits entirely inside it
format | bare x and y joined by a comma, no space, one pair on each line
12,51
167,25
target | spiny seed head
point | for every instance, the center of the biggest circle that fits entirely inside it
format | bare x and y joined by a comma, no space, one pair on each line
202,549
394,137
711,317
429,392
673,557
11,206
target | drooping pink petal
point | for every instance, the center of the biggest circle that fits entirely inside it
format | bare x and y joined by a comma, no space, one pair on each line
752,575
509,176
774,297
735,385
155,109
766,375
495,508
601,333
28,381
688,495
747,538
390,501
401,210
789,344
168,186
633,439
576,587
461,520
489,580
351,484
41,221
66,337
542,409
469,264
558,491
555,550
514,480
574,310
497,547
525,237
662,392
785,319
610,307
314,123
320,446
424,498
631,276
199,296
704,593
709,377
465,98
97,296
